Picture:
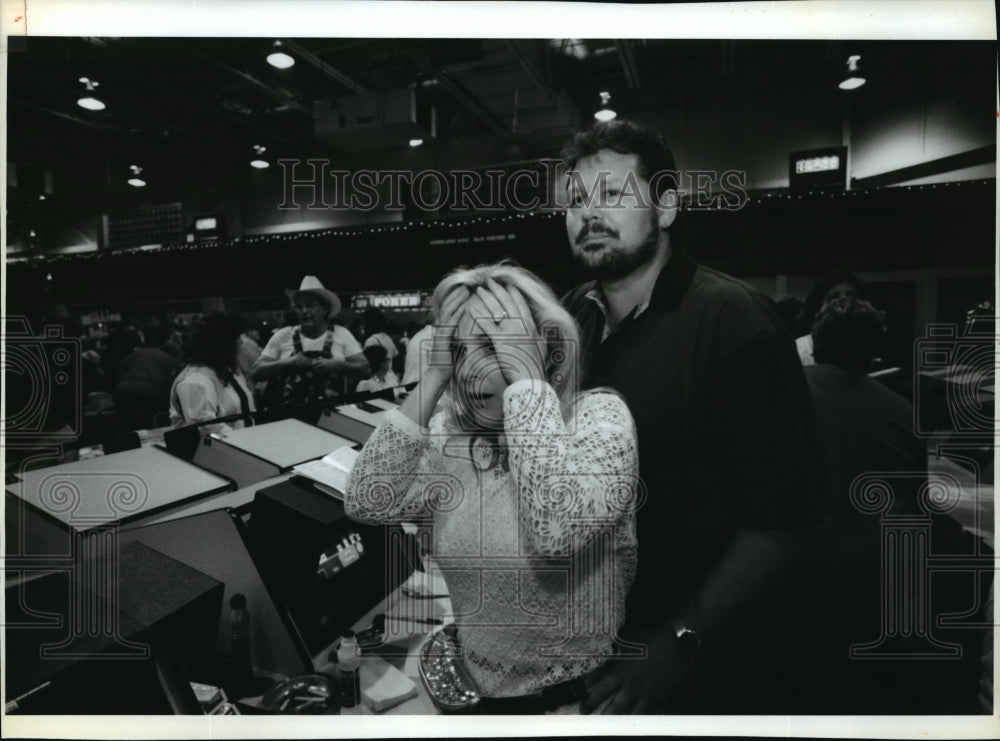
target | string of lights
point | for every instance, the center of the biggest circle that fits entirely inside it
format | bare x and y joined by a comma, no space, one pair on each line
454,222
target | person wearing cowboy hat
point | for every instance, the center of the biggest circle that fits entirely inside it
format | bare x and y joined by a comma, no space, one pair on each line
306,362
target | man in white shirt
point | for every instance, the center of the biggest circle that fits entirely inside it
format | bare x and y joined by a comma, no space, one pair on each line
307,362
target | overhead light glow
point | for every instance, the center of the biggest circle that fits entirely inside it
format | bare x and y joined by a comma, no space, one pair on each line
854,79
260,164
91,103
280,60
605,112
137,182
416,142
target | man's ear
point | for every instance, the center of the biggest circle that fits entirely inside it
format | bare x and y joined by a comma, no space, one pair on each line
666,208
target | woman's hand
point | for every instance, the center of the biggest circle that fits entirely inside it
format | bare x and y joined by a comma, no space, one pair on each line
504,316
435,375
440,367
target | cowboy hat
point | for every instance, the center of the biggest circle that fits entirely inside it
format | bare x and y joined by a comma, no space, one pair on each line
311,285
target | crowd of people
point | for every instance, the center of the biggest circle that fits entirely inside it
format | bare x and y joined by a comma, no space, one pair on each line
661,460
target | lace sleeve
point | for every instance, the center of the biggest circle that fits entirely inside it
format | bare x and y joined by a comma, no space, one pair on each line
397,475
572,480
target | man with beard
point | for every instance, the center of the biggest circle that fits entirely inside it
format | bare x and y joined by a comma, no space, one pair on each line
727,448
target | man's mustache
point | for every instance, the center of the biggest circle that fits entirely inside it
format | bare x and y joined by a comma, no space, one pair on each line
597,228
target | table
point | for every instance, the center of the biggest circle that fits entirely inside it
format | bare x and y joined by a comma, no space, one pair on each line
90,493
285,443
405,637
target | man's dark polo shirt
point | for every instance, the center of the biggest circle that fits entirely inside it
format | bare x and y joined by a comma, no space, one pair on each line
723,416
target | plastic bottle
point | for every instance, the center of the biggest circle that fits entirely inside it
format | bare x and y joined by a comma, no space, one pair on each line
239,640
350,670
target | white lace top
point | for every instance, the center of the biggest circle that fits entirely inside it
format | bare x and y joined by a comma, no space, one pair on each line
538,558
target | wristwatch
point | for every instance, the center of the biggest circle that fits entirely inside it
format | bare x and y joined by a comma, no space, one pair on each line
687,639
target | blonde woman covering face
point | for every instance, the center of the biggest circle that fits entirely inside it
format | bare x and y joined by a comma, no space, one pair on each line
530,486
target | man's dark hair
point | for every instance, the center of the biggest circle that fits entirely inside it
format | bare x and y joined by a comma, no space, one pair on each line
822,286
156,334
847,333
375,355
790,309
626,137
214,343
374,321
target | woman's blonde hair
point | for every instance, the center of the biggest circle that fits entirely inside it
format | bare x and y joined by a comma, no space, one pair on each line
556,328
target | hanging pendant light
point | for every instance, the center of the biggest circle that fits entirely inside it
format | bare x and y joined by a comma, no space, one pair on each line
90,101
279,58
853,79
605,112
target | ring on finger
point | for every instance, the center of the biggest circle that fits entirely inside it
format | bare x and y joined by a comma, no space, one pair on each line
497,318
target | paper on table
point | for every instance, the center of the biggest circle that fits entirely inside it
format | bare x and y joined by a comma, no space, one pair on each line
332,470
383,685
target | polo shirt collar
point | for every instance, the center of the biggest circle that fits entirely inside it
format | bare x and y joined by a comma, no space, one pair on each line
665,293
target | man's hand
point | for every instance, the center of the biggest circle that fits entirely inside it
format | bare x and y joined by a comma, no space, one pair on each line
299,362
639,686
327,365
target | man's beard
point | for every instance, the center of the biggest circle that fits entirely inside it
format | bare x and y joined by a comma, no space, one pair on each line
611,263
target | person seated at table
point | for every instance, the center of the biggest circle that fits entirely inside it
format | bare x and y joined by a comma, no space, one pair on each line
878,472
376,332
382,375
832,286
514,468
144,376
211,385
307,362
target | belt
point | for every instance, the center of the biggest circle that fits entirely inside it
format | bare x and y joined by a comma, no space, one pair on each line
548,698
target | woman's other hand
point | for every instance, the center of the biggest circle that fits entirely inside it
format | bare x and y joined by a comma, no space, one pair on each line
441,366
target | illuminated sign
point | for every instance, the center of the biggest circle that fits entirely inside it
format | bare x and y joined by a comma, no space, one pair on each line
817,164
401,301
818,169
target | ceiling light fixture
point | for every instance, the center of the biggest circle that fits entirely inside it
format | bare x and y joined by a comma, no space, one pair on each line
416,142
135,181
605,112
853,79
278,58
89,101
258,161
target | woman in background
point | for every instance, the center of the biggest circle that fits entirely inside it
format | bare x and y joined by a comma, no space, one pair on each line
211,385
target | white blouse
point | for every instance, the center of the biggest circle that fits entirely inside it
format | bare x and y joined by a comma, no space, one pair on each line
198,395
538,558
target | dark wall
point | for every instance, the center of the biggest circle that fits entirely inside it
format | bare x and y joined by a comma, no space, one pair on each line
878,230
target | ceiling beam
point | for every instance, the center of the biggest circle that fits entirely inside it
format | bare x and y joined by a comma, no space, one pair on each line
327,69
628,62
281,96
121,68
459,94
106,128
533,72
